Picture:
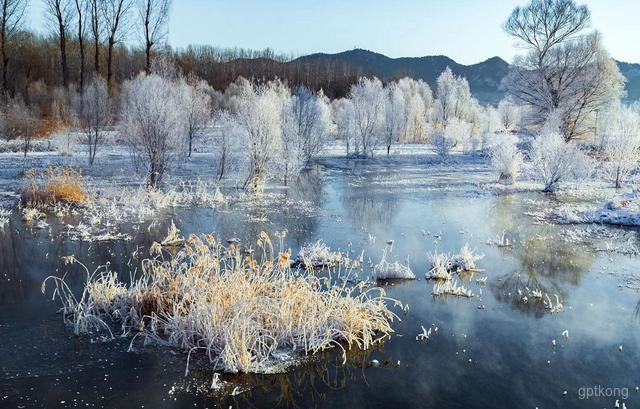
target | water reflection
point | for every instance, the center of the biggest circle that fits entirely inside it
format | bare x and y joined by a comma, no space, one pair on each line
306,386
543,264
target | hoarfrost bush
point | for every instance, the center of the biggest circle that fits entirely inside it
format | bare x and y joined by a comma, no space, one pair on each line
554,159
506,158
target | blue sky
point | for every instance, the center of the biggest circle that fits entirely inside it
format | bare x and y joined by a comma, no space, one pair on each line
466,30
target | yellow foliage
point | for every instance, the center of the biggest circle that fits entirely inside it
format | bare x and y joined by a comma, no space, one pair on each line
54,184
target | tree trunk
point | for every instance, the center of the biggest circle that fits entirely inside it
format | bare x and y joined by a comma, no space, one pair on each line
63,56
82,62
5,61
110,65
96,56
148,56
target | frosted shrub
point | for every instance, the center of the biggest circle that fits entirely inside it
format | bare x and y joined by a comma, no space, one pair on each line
553,159
442,145
506,158
459,133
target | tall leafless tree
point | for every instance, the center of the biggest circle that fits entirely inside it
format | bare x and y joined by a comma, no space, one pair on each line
93,109
94,15
81,15
60,13
115,14
154,15
11,16
566,70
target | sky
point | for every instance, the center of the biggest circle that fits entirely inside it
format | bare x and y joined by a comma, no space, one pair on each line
469,31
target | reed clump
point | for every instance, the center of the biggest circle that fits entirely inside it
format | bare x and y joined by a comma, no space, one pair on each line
240,312
54,184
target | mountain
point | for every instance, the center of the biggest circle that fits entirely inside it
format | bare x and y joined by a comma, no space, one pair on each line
484,78
632,74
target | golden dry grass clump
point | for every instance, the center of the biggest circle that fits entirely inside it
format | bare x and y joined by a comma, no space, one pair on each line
54,184
239,311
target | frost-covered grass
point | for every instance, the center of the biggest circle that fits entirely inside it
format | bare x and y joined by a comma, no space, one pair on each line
4,218
319,255
106,209
54,184
443,266
386,270
451,287
236,312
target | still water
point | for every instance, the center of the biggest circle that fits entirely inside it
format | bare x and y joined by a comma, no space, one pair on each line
490,351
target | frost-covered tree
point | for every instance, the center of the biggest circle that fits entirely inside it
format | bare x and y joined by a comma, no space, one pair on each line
510,114
345,125
506,158
395,115
153,121
93,111
565,70
418,103
415,117
229,142
198,108
368,98
620,132
259,118
453,99
307,120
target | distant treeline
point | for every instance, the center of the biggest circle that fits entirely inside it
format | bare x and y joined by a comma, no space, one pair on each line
35,67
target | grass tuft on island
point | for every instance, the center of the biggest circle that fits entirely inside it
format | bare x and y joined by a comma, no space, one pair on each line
242,313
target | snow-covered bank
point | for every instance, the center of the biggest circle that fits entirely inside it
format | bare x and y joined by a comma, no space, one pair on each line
621,211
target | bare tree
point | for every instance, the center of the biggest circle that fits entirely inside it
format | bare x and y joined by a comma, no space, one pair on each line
93,109
154,15
115,14
94,15
22,122
81,15
60,14
11,16
566,70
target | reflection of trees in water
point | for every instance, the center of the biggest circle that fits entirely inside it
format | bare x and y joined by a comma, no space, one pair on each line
546,265
303,387
307,186
367,209
290,209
